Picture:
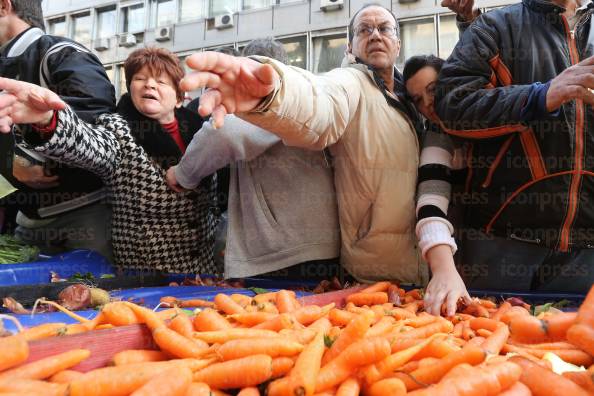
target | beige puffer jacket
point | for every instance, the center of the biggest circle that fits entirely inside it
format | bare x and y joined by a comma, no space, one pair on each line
375,151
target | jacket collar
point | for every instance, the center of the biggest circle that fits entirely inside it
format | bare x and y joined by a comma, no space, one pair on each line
151,136
21,42
548,7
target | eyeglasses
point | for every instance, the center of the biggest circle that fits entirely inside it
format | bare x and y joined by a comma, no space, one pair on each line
384,30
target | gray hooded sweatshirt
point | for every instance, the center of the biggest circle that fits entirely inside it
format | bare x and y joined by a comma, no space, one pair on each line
282,203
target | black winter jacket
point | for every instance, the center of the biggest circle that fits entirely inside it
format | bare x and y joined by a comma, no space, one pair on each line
530,180
77,75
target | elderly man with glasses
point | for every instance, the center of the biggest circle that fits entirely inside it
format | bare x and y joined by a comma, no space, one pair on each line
359,113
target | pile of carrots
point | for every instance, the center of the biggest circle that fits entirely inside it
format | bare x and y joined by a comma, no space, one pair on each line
271,344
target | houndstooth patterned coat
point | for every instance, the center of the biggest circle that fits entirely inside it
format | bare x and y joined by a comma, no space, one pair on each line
152,227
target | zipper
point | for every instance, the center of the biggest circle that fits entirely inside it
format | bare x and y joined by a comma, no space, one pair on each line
579,148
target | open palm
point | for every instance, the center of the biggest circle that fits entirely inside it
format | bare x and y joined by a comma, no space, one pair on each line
235,84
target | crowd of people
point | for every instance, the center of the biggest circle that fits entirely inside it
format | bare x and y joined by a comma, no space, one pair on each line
468,173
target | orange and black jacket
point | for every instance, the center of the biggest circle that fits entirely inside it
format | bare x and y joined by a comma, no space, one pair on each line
531,178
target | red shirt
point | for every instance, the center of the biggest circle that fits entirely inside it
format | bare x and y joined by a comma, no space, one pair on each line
173,130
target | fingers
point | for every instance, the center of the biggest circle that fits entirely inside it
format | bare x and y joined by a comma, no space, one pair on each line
6,124
44,99
196,80
214,62
209,101
6,100
452,303
12,86
218,116
587,61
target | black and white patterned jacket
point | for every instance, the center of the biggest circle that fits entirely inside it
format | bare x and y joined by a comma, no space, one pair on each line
153,227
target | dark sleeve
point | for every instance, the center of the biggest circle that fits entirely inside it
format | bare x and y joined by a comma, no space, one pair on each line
475,95
80,79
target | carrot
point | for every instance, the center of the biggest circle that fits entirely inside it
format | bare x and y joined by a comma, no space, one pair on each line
438,348
586,311
503,308
507,348
514,312
370,298
574,356
15,350
412,366
350,387
484,323
172,382
377,287
302,378
400,313
529,329
222,336
210,320
273,347
65,376
242,299
251,391
423,319
281,366
322,324
467,332
138,356
361,353
543,382
582,336
389,386
546,345
340,317
226,304
496,340
118,314
46,367
385,325
182,324
146,316
302,336
440,326
309,314
477,341
431,375
266,297
278,323
252,318
119,380
25,386
198,389
354,331
238,373
415,294
196,303
476,309
285,302
42,331
167,314
177,345
518,389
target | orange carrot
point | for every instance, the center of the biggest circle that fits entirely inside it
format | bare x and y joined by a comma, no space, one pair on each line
242,299
547,345
15,350
146,316
354,331
484,323
25,386
281,366
251,391
285,301
383,326
177,345
582,336
238,373
350,387
65,376
172,382
377,287
496,340
528,329
42,331
518,389
273,347
574,356
585,379
118,314
226,304
302,378
339,317
514,312
389,386
182,324
423,319
138,356
278,323
477,310
322,324
586,311
252,318
309,314
503,308
196,303
370,298
440,326
198,389
210,320
543,382
222,336
46,367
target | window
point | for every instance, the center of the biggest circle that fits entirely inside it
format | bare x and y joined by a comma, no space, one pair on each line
328,52
106,22
417,37
254,4
191,10
162,12
132,19
57,27
448,35
218,7
122,80
81,27
296,48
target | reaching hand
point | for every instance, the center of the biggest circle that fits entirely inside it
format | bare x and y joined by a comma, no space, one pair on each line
446,285
463,8
24,103
575,82
172,180
33,175
235,84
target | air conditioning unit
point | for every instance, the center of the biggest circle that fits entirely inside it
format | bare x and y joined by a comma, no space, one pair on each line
101,44
223,21
328,5
164,33
127,40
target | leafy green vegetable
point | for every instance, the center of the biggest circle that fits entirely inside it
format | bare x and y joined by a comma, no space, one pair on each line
538,309
107,276
328,341
78,277
258,290
13,251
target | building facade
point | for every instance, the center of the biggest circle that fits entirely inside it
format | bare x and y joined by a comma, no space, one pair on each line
314,32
